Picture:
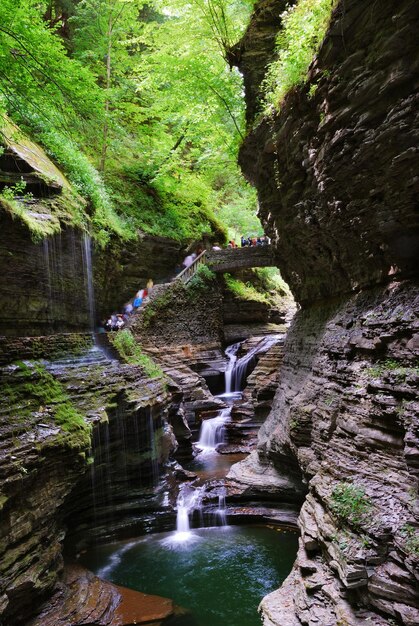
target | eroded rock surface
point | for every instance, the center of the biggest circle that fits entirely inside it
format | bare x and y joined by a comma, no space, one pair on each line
336,173
48,409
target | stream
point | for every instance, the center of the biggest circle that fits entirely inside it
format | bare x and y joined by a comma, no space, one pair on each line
217,574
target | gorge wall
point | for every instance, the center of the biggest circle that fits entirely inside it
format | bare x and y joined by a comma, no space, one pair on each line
336,172
74,419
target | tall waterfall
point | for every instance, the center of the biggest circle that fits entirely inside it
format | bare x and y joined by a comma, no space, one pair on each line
88,274
231,353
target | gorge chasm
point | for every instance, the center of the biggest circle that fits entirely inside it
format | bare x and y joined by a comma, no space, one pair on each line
92,445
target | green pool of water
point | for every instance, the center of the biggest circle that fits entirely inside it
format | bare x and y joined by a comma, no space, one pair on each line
219,574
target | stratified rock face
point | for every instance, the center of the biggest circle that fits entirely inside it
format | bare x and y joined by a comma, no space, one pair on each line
125,267
179,315
337,171
346,411
44,288
44,453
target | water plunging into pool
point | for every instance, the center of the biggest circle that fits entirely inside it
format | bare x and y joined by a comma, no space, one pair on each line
219,573
238,369
212,431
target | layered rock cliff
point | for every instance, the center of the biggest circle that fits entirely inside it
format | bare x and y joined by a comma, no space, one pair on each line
336,172
83,424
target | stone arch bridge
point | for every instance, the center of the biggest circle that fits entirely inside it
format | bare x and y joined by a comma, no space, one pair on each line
235,259
231,260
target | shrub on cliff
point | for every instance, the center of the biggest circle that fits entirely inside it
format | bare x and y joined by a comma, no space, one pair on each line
350,503
131,352
304,27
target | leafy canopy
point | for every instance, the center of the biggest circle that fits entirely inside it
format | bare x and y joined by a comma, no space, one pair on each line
136,104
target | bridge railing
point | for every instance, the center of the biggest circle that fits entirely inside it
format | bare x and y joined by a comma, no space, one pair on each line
190,271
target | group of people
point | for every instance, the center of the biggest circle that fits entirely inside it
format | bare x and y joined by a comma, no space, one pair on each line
249,241
254,241
118,320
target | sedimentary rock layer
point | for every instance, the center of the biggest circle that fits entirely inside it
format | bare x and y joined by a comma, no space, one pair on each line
336,167
46,449
336,172
347,412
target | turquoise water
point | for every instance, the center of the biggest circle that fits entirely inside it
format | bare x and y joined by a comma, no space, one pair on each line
219,574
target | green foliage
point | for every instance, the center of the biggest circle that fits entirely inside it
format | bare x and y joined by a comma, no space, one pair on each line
265,285
201,281
350,504
393,367
304,27
137,106
88,182
131,352
269,279
244,291
39,390
410,535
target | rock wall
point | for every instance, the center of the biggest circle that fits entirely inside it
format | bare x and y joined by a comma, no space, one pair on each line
346,412
53,479
125,267
336,173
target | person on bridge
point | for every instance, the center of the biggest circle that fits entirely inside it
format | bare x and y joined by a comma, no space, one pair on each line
188,260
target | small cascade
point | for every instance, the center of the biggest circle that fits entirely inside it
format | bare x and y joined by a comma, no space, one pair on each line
220,514
231,353
188,501
88,274
212,431
243,366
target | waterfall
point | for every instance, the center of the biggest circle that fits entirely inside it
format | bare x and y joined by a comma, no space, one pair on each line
188,501
231,353
242,367
53,268
220,514
67,266
88,273
212,431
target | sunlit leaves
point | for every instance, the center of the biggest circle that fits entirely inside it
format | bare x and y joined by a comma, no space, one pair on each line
304,26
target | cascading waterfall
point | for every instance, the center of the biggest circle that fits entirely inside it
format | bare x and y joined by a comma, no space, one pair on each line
242,367
231,353
211,435
212,431
188,501
220,513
